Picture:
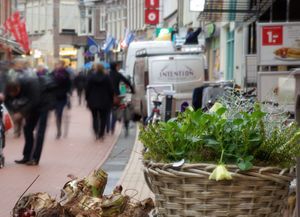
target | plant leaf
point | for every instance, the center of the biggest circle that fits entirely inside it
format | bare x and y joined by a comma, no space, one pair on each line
238,121
221,111
245,165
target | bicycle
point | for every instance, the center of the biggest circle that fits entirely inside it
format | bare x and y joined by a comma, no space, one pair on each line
155,115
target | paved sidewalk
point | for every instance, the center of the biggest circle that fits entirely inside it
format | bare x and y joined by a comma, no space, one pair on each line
119,158
78,154
132,179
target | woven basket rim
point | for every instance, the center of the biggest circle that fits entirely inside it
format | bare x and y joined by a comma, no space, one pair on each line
276,174
178,189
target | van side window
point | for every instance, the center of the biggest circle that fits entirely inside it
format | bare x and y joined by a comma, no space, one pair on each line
134,75
137,73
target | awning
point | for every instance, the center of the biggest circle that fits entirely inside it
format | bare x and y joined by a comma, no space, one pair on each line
12,44
234,10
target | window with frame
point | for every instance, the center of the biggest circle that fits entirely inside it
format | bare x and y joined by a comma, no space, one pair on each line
86,21
102,18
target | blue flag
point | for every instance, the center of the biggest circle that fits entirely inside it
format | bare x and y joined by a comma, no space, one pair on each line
109,43
129,37
93,47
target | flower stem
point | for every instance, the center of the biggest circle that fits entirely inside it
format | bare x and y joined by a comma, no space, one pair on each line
221,159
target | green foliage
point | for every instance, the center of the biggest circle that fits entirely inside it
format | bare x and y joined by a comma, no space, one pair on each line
243,136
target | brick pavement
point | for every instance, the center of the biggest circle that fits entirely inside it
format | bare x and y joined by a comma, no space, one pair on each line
78,154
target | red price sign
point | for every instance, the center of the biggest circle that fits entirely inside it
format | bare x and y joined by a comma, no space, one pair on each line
151,3
151,16
272,35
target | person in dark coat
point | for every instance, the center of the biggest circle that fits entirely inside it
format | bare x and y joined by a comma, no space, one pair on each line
79,83
23,97
116,78
99,96
192,36
63,90
4,68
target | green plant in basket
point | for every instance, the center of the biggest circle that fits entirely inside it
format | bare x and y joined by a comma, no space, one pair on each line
244,135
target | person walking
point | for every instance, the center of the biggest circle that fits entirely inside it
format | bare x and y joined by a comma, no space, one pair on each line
79,83
63,89
19,69
26,97
116,78
41,70
99,96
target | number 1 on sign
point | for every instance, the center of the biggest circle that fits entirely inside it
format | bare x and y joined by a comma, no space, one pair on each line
271,38
152,3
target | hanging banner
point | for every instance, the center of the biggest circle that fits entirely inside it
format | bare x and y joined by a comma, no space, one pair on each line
278,43
151,16
17,28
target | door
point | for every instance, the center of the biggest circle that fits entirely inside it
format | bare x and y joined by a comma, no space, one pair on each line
230,55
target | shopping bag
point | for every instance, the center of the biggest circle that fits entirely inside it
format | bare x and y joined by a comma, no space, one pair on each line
7,120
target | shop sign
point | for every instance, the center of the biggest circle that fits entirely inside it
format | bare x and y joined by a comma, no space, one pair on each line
278,43
152,4
210,30
151,16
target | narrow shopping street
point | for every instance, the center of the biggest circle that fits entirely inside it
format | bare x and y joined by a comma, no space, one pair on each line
77,154
202,97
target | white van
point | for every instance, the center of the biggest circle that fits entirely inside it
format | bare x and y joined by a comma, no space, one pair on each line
182,71
150,46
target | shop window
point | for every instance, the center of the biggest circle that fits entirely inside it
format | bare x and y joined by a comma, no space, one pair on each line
279,12
252,38
265,17
294,14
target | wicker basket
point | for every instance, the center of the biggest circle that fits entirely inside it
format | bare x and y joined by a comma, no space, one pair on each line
188,192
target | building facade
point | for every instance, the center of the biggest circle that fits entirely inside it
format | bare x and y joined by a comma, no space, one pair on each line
116,12
232,46
6,8
136,18
58,29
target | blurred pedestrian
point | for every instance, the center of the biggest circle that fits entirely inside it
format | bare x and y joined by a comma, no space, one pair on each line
192,36
41,70
116,78
4,68
20,69
63,89
99,97
71,72
79,84
23,96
